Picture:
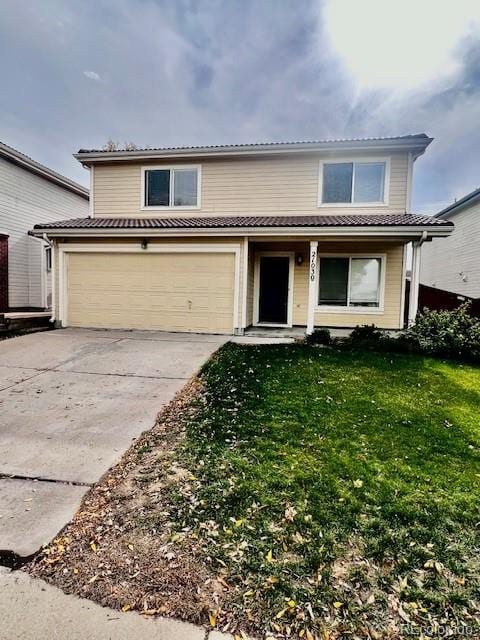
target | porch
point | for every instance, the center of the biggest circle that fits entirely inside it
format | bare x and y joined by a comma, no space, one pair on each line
294,286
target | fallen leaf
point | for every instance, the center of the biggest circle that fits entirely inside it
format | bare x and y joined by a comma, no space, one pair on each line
338,605
126,607
358,484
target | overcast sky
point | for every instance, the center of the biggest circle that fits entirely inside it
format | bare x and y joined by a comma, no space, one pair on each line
183,72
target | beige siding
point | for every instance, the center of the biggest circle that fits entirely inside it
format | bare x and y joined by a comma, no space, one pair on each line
390,318
255,185
453,263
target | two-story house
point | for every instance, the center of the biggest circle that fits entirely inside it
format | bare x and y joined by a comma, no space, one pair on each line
217,239
453,265
30,193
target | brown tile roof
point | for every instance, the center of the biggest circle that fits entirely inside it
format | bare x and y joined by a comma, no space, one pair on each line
220,222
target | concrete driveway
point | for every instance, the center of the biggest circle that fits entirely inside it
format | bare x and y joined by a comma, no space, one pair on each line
71,402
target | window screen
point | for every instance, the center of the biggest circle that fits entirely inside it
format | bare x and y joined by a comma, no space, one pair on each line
365,282
185,187
369,181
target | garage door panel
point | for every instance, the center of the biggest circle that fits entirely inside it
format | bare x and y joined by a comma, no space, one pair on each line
172,291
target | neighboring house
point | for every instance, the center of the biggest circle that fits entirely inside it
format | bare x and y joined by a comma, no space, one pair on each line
30,193
454,263
216,239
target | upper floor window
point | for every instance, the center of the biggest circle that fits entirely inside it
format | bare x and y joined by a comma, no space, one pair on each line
171,187
350,183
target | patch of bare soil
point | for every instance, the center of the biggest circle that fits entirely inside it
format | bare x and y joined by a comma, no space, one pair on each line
119,550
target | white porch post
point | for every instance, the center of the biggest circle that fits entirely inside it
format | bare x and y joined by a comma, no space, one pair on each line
312,285
414,283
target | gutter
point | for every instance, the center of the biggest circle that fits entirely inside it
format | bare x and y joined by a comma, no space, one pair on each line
410,144
410,232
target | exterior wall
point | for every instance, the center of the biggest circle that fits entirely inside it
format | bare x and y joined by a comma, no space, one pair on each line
453,263
265,185
25,200
390,318
3,273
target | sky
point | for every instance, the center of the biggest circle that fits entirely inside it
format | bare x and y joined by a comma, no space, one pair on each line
191,72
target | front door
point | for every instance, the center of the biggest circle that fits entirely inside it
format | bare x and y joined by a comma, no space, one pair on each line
273,289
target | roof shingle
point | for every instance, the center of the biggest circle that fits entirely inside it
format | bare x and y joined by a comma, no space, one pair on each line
224,222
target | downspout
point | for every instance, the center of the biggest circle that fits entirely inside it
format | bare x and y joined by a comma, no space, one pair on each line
51,244
415,279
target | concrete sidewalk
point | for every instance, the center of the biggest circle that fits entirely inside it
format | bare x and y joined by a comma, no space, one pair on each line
30,609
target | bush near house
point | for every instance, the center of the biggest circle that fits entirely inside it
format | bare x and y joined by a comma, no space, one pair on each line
451,334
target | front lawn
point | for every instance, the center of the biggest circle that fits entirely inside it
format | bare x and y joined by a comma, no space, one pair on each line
294,491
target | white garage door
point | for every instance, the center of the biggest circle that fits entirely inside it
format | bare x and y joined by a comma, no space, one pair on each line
191,292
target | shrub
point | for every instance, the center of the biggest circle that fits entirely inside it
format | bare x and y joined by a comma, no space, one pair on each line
319,336
454,334
366,332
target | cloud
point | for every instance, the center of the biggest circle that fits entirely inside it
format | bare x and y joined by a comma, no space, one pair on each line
183,73
386,43
92,75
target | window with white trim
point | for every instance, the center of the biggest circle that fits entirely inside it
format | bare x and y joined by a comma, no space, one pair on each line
171,187
353,183
350,282
48,258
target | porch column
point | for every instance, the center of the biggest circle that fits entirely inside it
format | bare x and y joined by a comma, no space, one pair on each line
312,285
414,283
245,264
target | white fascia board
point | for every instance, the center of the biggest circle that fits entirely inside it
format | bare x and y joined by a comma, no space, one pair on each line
412,232
409,144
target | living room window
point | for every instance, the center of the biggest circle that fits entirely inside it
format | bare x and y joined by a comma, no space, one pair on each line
351,282
171,187
359,183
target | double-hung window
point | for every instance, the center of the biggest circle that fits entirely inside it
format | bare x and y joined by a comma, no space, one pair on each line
171,187
350,282
350,183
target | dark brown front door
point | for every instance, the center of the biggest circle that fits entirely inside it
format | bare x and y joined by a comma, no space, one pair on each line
273,294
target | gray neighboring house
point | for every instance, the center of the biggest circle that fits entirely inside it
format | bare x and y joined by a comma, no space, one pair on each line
453,263
30,193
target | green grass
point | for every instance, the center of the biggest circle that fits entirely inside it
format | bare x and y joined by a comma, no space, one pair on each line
346,483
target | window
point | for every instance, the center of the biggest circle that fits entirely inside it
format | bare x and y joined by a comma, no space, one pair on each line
353,183
350,282
171,187
48,258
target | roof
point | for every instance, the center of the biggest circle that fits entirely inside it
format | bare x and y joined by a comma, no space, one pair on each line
470,198
418,142
20,159
392,221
